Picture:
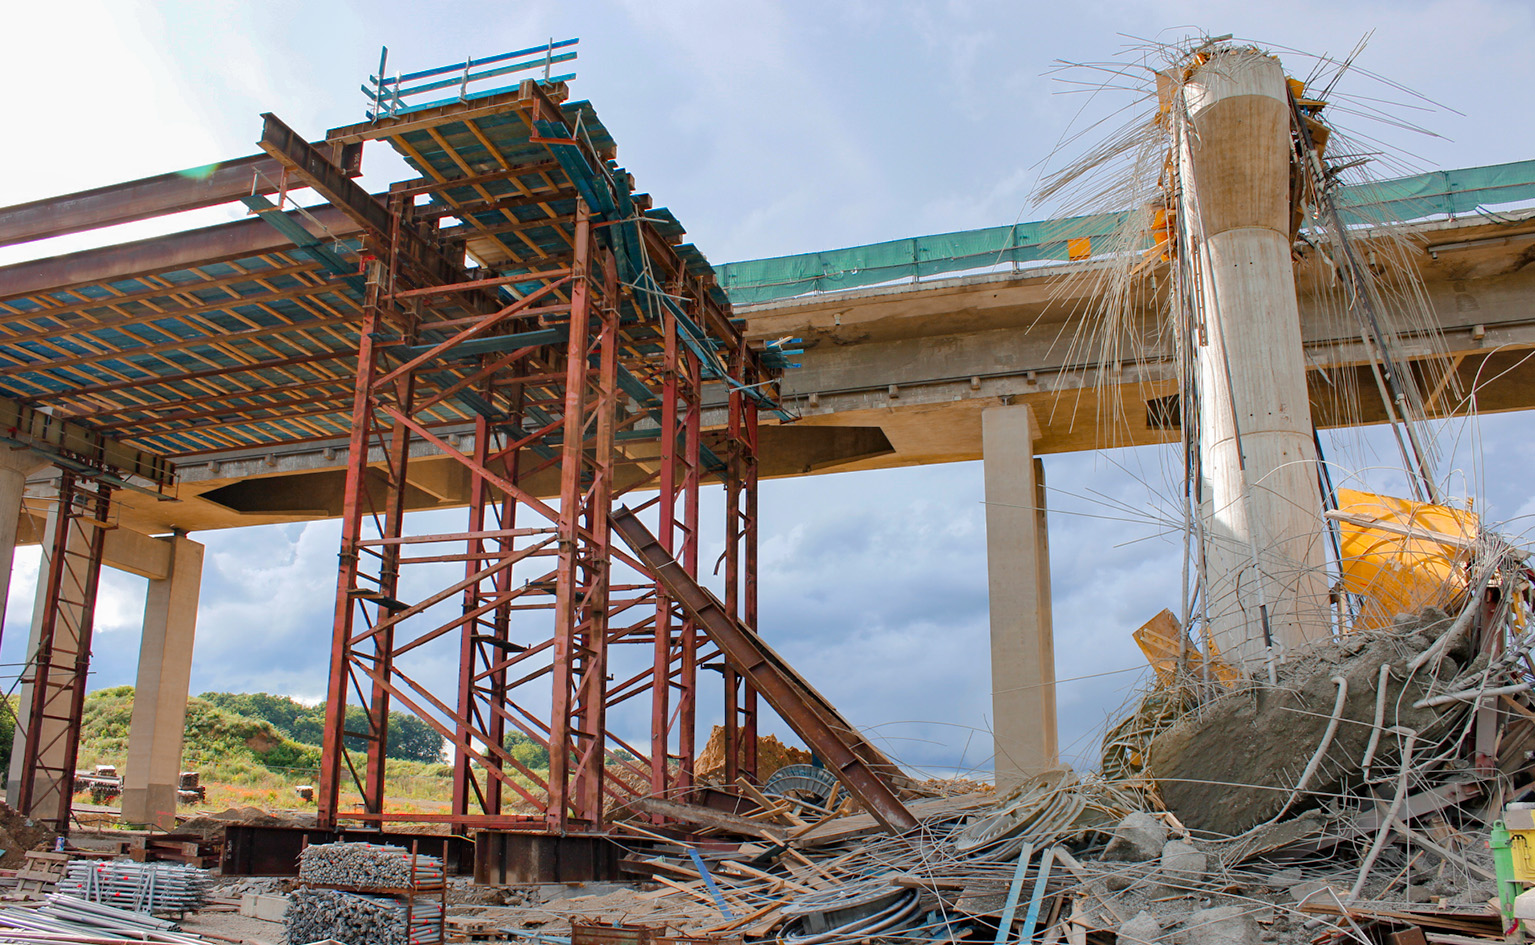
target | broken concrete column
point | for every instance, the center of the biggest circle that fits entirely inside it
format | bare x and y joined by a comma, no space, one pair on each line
160,696
1018,581
1265,579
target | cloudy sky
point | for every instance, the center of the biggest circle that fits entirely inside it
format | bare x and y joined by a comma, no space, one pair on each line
769,128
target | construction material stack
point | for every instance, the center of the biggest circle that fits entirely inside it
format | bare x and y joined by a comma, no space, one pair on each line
367,893
138,887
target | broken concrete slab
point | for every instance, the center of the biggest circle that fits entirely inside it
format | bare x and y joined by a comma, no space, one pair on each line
1233,764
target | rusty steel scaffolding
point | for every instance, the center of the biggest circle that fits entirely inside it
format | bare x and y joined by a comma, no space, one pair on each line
59,663
588,384
589,358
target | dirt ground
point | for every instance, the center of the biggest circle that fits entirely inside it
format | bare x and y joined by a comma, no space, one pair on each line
234,926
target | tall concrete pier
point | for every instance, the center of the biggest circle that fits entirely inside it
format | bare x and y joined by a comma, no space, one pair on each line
1266,582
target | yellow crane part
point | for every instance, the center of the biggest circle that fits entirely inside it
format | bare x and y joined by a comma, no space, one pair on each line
1400,556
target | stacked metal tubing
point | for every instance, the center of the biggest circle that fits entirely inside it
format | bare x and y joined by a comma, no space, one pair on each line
70,919
372,865
372,892
319,914
141,887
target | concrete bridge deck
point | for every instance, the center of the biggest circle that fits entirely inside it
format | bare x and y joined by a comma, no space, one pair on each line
898,375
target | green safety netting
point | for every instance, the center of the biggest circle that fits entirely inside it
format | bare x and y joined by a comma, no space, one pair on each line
1399,200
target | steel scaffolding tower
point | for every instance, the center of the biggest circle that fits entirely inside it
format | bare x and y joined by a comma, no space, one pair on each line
583,364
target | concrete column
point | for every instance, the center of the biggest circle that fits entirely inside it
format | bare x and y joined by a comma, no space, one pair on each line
1263,510
15,467
1018,576
160,696
66,651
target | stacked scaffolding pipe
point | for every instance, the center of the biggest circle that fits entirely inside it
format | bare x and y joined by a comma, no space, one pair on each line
357,919
141,887
66,918
368,865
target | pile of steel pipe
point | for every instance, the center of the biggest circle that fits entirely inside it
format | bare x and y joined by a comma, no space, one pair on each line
140,887
71,919
369,865
357,919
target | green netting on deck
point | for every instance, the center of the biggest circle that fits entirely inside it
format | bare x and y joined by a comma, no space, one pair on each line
1399,200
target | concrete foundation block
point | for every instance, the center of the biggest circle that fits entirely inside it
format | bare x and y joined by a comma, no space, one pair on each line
265,908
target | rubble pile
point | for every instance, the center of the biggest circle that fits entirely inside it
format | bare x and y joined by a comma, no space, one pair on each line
1349,795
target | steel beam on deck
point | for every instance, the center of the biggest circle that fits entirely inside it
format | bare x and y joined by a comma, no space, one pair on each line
76,447
195,187
159,254
859,765
310,165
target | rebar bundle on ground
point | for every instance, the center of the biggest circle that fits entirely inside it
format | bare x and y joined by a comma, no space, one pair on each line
357,919
140,887
368,865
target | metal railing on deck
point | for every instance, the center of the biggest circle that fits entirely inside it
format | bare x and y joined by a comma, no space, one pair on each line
390,96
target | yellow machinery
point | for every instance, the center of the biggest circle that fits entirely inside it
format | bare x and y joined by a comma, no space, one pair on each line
1401,556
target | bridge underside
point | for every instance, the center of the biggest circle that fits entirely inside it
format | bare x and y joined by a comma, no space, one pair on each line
900,375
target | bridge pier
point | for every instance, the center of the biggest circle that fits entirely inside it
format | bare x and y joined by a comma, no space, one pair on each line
15,467
153,770
1265,579
1018,579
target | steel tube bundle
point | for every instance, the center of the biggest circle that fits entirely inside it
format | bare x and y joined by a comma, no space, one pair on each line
358,919
369,865
141,887
70,919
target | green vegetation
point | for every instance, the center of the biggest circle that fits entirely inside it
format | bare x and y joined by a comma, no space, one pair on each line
410,739
245,757
255,748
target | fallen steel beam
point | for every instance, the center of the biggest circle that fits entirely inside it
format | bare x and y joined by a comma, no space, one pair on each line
175,192
860,766
185,250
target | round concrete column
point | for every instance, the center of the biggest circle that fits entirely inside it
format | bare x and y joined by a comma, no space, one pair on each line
1262,506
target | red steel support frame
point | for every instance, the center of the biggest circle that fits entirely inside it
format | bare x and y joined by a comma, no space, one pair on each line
741,571
582,387
61,663
676,638
558,411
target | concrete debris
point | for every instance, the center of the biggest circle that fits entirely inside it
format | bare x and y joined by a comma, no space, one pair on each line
1139,836
1143,929
1183,862
1228,767
1224,925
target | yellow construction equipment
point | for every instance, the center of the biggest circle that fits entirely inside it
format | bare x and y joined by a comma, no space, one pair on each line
1401,556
